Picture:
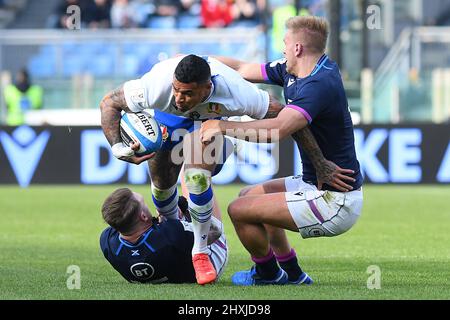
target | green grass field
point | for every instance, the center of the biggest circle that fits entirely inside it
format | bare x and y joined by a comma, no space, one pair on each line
403,230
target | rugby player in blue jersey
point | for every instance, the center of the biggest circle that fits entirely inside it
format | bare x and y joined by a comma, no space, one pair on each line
315,98
145,249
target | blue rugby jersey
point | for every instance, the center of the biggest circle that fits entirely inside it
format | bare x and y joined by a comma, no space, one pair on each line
162,254
321,98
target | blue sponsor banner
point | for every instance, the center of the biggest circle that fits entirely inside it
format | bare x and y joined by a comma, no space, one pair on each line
81,155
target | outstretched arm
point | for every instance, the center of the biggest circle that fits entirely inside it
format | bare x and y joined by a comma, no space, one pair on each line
249,71
111,107
288,122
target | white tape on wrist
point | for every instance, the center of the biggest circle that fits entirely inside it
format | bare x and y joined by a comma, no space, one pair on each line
120,150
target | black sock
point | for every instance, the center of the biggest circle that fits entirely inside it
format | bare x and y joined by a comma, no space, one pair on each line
292,268
289,263
267,267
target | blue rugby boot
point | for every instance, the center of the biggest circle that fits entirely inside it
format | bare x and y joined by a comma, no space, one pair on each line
303,279
252,278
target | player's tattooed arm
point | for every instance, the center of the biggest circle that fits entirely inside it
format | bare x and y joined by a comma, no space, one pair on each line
111,107
326,171
274,108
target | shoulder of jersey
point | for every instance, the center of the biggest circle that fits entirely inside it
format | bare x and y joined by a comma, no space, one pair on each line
279,61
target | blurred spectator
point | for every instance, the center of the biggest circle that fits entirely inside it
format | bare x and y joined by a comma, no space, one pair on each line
280,14
167,8
444,18
190,7
216,13
99,14
245,13
248,13
60,17
142,10
317,7
20,97
122,15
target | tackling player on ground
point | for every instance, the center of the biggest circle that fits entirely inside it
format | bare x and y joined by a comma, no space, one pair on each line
143,249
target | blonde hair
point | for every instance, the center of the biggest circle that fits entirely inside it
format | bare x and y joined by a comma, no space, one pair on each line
314,30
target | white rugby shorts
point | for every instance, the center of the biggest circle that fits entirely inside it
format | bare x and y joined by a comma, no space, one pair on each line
218,250
219,255
321,213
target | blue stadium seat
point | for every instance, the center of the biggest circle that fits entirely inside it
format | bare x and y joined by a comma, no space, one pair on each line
73,64
91,47
231,49
70,47
188,22
139,49
197,48
188,48
48,50
101,65
130,65
109,49
244,24
42,66
161,23
130,47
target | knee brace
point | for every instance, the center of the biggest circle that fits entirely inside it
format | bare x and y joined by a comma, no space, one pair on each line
197,180
162,194
166,201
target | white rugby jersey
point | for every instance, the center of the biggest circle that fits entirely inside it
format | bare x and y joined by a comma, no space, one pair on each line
231,95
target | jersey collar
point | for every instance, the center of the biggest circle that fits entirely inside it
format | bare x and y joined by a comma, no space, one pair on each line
213,88
319,65
140,241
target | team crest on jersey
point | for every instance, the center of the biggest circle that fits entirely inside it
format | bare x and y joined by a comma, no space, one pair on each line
137,97
164,131
214,108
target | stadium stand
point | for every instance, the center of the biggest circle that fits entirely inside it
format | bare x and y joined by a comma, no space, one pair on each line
9,10
63,55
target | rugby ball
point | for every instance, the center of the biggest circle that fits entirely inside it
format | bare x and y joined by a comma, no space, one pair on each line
143,128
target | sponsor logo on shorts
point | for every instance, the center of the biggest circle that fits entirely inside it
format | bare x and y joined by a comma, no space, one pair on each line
316,232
